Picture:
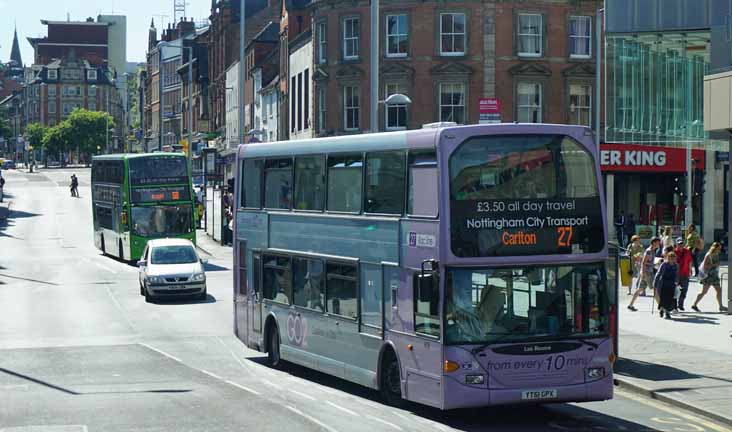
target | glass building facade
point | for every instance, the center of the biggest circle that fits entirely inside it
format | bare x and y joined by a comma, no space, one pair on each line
654,88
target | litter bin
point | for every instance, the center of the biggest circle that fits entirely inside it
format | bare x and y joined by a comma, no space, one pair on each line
626,271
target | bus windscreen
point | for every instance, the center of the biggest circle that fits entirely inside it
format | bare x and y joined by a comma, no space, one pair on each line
517,195
153,170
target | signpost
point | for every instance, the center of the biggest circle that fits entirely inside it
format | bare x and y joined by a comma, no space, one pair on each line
489,110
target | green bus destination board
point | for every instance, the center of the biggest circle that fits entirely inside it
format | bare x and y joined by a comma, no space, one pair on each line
163,193
514,227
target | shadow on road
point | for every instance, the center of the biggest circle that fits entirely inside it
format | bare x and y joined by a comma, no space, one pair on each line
208,267
563,416
657,372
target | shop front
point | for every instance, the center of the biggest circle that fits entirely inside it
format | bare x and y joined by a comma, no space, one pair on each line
648,184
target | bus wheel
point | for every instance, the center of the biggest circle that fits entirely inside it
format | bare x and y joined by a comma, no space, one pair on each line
391,390
273,353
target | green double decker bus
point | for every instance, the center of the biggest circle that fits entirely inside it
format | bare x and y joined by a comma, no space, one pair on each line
138,197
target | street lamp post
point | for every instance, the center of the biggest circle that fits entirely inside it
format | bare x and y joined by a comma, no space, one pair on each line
374,65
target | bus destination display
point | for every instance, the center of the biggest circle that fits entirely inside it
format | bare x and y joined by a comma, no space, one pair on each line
156,194
513,227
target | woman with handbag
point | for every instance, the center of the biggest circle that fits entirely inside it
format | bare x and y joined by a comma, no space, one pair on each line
665,284
710,276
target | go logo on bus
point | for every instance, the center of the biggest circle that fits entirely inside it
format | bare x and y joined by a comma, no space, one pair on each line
296,329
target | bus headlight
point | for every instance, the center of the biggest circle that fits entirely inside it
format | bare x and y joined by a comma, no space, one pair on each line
475,379
198,277
595,373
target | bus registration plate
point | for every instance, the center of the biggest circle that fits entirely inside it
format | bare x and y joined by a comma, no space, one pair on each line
539,394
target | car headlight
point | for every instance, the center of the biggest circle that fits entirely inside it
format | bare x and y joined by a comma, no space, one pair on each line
198,277
155,279
595,373
475,379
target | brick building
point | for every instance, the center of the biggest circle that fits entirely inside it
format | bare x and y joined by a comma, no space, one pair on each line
545,60
224,46
434,52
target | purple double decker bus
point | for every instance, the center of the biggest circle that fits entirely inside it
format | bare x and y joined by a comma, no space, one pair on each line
453,266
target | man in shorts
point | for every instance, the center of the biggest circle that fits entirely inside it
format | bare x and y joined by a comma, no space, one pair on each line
645,279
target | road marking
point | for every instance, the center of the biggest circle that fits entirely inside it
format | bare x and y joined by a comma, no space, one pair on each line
303,395
672,410
271,384
172,357
237,385
103,267
119,308
211,374
392,425
312,419
345,410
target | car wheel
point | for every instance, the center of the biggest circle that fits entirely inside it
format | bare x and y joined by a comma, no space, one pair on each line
104,249
273,353
142,288
203,296
148,296
121,252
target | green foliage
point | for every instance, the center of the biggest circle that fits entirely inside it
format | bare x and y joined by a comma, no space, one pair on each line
35,132
5,130
88,129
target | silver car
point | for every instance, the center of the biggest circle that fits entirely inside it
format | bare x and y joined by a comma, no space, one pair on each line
170,268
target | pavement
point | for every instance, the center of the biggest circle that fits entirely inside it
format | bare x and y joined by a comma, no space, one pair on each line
686,361
81,350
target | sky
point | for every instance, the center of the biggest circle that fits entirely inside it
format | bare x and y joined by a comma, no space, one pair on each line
27,14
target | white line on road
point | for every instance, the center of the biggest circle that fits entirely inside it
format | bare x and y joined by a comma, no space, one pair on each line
302,395
312,419
237,385
671,410
103,267
172,357
344,409
211,374
119,308
271,384
392,425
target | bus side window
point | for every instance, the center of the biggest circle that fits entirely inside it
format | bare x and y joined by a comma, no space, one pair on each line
345,180
278,184
422,195
385,172
426,304
341,289
251,187
277,275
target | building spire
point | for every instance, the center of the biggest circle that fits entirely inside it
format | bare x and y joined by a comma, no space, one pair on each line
15,51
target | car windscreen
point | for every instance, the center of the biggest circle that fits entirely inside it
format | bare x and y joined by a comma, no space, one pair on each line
179,254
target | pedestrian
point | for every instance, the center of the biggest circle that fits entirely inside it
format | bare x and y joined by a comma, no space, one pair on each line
630,226
74,185
683,259
666,238
695,244
710,276
635,253
2,187
646,273
619,227
664,283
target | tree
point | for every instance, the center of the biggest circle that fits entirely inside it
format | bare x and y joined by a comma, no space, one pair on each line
57,140
88,130
35,132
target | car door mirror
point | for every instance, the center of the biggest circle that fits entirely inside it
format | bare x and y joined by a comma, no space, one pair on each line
141,263
204,261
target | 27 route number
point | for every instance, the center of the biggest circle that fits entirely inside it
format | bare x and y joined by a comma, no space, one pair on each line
564,238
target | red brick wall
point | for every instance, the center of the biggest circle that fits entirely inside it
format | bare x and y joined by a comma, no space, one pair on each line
555,59
423,56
